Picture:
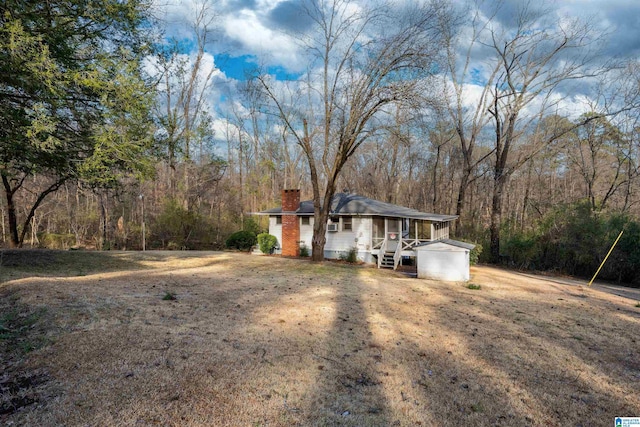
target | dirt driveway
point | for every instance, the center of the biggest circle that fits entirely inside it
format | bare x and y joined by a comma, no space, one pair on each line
622,291
225,339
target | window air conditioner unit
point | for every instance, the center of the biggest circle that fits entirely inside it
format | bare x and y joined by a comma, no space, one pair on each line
332,227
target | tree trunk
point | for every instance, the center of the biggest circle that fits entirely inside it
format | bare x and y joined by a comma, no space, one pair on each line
319,235
435,180
496,216
462,193
4,232
241,188
14,241
103,219
172,171
525,200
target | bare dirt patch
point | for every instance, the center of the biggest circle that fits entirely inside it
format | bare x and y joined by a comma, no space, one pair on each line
253,340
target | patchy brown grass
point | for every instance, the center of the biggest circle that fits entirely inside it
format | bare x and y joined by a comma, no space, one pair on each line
253,341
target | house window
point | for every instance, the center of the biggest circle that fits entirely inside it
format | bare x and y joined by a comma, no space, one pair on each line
305,220
347,224
279,220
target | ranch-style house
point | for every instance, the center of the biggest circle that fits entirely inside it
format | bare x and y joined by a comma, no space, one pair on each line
381,233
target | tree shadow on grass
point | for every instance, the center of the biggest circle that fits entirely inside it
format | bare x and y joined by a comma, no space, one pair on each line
255,344
23,263
232,348
348,388
502,359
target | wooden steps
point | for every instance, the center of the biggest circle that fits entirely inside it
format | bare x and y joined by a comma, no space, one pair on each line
387,260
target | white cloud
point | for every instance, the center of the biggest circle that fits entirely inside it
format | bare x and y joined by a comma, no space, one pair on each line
240,29
208,73
570,106
248,31
246,27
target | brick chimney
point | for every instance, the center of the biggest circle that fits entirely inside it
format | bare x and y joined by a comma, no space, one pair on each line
290,223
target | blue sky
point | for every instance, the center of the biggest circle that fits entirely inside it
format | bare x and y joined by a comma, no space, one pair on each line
249,33
238,67
261,33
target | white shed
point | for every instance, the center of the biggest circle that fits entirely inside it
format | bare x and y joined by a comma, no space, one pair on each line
443,260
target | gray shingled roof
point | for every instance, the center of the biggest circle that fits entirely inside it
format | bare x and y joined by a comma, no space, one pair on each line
355,205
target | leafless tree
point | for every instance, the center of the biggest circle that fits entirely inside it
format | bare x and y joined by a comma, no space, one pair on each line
468,115
534,59
185,83
367,59
596,150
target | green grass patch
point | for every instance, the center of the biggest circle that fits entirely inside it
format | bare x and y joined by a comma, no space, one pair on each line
473,286
477,407
169,296
22,329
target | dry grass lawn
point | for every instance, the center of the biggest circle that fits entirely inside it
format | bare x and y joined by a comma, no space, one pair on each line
266,341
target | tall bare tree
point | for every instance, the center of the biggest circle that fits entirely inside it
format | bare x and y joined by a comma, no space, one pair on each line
526,59
535,56
364,58
468,115
186,81
597,150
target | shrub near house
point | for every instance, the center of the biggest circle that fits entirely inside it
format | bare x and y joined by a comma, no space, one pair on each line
267,243
241,240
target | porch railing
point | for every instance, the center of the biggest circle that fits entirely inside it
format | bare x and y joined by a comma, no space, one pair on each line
408,244
378,243
381,246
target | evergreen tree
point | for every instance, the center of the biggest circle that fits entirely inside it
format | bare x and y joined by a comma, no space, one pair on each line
73,103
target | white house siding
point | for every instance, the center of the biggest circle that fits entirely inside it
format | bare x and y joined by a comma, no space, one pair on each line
306,233
340,242
441,261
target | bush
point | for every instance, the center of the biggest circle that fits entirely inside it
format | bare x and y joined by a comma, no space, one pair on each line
267,242
250,224
176,226
574,240
351,257
57,241
304,251
474,254
241,240
522,250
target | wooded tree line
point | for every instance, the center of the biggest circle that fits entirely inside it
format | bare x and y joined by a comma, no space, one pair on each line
108,124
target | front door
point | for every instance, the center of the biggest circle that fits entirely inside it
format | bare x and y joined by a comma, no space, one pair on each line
393,235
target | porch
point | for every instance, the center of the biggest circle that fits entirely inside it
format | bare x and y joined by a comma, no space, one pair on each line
394,238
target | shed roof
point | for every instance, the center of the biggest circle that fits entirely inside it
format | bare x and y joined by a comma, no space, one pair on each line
356,205
450,242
